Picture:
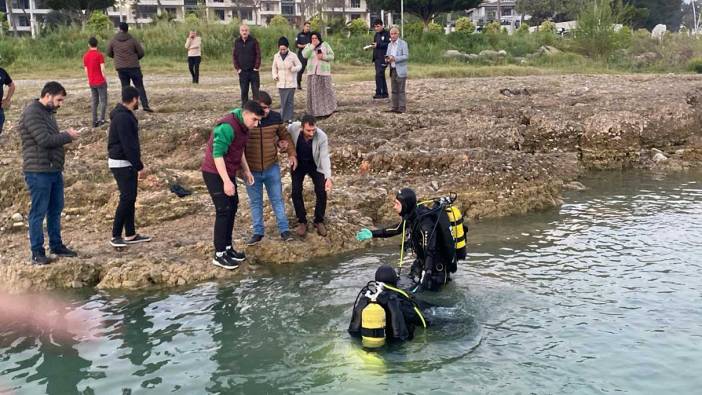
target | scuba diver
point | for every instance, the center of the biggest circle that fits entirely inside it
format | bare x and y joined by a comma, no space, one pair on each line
384,313
436,234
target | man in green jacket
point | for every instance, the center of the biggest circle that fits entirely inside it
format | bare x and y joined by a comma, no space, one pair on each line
43,158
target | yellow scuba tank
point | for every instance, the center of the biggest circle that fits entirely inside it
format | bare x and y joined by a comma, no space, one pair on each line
373,325
457,230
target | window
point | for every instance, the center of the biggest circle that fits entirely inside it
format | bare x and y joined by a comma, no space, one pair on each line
22,20
355,3
506,12
219,14
246,15
288,8
21,4
355,16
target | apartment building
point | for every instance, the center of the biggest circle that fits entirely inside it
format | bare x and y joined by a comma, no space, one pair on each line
492,10
27,16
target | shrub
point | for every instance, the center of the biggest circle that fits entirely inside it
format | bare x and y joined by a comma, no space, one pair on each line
8,53
316,23
695,64
523,29
435,28
547,27
98,23
279,21
493,27
414,29
595,34
358,27
464,25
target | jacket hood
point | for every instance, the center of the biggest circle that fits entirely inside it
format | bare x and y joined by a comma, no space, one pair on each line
122,36
120,108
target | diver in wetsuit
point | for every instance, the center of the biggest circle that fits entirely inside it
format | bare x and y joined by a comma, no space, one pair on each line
429,234
384,313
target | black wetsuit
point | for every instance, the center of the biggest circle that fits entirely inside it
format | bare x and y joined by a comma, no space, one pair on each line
401,316
431,240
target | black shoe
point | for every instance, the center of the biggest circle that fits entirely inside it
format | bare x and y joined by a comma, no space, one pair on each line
377,96
40,259
287,236
147,109
118,242
101,122
299,87
235,255
138,239
180,191
255,239
223,260
96,124
64,252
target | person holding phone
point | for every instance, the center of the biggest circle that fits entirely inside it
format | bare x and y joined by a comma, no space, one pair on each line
43,157
397,56
321,101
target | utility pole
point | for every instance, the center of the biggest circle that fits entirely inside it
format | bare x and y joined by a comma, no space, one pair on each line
695,21
499,11
402,18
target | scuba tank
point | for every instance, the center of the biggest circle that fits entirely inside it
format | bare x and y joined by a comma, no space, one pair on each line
373,326
457,230
373,320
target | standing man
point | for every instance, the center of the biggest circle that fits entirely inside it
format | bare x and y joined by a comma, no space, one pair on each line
247,60
303,38
312,149
397,56
380,48
262,158
43,158
124,161
7,101
224,158
126,52
94,65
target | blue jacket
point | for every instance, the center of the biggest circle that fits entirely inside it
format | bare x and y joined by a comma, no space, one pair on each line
401,58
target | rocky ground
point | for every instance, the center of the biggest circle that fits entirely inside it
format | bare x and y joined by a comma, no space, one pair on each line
506,145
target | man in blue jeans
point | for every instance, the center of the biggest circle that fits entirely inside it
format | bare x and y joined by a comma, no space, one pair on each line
262,158
43,158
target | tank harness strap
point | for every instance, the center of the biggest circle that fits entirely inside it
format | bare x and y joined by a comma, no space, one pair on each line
402,246
416,309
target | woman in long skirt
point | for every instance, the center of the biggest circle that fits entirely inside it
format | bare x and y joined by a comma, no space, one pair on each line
321,101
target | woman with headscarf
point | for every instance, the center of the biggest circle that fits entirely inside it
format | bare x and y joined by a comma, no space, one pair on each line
321,101
284,69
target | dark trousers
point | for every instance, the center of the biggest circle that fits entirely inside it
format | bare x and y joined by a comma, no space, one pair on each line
194,67
225,210
381,86
2,117
98,103
46,193
298,176
134,75
302,70
247,78
127,181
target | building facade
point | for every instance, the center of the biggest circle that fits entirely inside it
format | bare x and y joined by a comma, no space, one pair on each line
28,16
504,11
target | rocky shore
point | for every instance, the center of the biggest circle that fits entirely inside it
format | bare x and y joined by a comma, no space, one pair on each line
506,145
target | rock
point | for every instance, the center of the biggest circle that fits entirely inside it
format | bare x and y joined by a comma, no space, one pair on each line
17,217
489,54
656,151
546,50
574,186
659,157
18,225
434,186
658,31
453,54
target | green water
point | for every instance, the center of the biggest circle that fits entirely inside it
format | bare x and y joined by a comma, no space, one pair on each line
600,296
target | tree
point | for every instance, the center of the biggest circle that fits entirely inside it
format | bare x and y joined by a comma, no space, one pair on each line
424,9
690,17
551,10
668,12
81,9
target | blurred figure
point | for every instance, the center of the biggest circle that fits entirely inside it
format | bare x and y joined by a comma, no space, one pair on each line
194,46
94,65
303,38
7,101
321,101
284,69
380,47
247,60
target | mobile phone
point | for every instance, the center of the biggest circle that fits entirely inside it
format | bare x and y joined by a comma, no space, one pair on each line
319,51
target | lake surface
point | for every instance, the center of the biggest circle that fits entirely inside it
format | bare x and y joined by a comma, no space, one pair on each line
602,295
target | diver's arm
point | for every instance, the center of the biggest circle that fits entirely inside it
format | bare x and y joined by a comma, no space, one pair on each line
388,232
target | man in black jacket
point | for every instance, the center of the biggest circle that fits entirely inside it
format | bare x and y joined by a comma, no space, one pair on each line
125,163
127,52
380,47
43,158
429,236
246,57
303,38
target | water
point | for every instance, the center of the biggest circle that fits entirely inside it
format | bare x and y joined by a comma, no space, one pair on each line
600,296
